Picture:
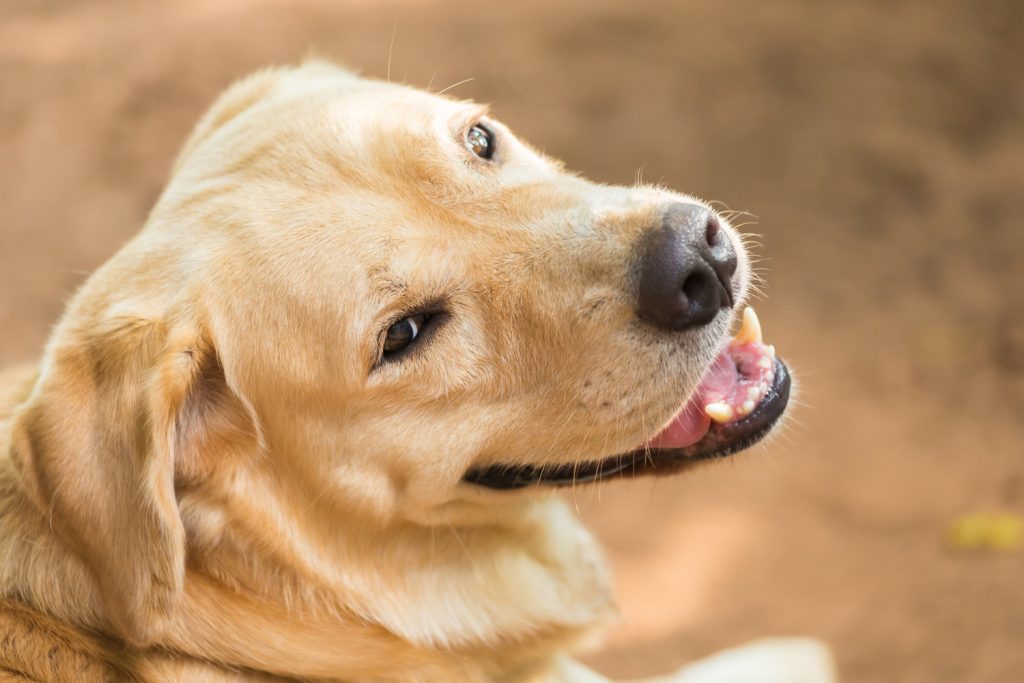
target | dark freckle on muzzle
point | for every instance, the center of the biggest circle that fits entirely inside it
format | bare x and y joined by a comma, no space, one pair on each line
686,269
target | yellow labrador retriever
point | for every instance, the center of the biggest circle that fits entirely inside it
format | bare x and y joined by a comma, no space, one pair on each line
309,423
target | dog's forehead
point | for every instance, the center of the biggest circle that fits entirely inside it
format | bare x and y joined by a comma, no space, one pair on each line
361,176
405,127
378,104
368,117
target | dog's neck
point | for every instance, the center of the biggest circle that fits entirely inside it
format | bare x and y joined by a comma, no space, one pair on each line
413,603
478,597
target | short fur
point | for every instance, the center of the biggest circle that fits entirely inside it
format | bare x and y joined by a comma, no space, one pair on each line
212,478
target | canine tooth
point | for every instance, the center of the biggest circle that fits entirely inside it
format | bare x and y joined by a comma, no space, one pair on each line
765,362
750,330
754,393
747,408
771,350
719,412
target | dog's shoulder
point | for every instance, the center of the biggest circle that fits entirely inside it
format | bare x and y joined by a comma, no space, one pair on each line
36,647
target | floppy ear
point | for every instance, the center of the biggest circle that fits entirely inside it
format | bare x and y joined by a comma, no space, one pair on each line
113,417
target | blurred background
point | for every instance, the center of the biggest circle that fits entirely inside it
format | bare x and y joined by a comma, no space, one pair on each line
879,147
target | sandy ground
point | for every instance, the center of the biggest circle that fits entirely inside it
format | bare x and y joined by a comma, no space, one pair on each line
881,146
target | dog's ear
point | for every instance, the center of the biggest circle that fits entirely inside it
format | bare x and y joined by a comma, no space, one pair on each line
240,96
114,416
249,91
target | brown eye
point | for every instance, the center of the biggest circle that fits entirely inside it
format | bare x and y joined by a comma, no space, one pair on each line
403,333
480,141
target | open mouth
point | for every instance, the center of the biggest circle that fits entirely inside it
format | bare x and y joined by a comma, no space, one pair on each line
741,397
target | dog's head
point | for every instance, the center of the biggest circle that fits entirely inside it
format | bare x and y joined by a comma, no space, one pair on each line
382,300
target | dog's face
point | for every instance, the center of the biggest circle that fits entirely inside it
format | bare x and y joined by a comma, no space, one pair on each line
359,303
406,293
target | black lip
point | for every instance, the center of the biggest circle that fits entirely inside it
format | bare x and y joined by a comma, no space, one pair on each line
719,442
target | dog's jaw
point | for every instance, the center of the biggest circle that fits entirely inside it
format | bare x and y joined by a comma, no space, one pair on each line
741,397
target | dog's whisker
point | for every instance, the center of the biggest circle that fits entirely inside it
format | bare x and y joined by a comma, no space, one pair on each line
458,539
391,47
455,85
739,228
638,180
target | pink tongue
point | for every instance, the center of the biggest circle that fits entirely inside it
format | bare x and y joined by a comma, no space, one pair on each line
691,423
687,428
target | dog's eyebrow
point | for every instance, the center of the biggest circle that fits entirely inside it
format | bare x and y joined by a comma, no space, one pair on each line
384,281
474,112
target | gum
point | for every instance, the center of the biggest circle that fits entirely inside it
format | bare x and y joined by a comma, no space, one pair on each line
741,377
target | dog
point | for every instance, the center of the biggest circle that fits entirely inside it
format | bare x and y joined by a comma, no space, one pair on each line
309,424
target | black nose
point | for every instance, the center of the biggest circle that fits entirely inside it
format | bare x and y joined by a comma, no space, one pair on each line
686,269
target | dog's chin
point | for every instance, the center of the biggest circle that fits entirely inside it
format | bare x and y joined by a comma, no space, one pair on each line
741,398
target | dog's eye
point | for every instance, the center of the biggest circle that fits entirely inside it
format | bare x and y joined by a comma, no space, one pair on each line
403,333
480,141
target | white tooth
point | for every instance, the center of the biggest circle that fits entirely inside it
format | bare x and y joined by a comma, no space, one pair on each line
754,393
771,351
747,408
719,412
750,330
765,362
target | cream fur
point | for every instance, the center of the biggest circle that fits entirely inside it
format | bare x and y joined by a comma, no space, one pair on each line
206,468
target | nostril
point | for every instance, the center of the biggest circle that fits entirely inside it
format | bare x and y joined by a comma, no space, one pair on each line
713,232
697,285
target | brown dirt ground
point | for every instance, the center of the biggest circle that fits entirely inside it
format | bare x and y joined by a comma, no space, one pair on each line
881,145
